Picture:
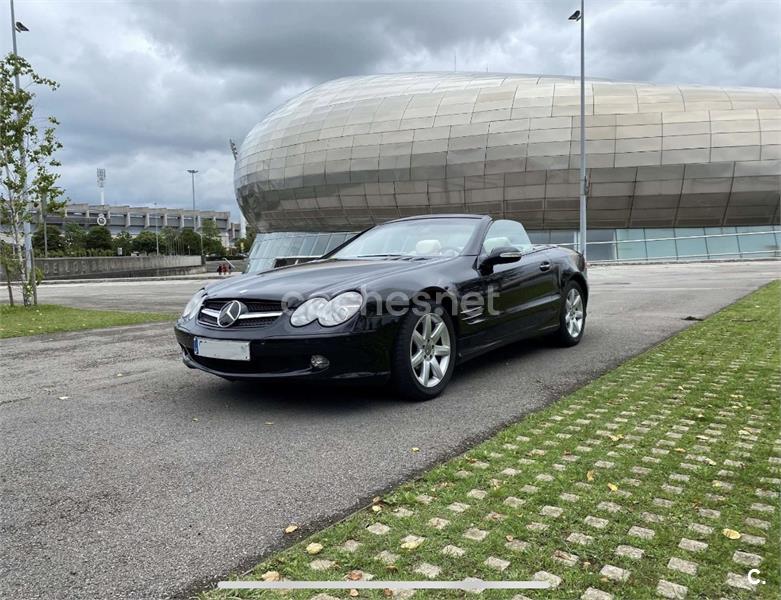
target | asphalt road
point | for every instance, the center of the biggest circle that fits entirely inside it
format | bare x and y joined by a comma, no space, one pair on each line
125,475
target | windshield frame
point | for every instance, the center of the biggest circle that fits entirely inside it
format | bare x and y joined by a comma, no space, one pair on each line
471,248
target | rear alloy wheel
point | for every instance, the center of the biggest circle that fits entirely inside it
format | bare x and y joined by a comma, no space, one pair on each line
424,354
572,320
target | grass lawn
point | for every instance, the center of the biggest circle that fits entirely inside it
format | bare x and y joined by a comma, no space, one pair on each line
50,318
659,479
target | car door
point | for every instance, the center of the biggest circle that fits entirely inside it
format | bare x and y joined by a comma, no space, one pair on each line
519,294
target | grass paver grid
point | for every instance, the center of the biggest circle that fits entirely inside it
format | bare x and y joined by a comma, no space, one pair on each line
623,488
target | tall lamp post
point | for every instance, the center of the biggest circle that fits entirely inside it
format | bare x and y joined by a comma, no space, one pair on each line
28,242
192,173
578,16
157,233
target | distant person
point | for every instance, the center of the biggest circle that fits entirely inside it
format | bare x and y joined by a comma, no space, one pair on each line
230,269
219,269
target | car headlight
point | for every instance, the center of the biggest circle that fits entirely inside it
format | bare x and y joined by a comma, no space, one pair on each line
193,305
308,311
339,309
327,313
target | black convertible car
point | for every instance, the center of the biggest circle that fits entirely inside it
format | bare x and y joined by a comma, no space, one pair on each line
406,300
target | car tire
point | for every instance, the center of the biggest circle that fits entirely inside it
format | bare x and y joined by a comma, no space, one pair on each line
572,315
424,353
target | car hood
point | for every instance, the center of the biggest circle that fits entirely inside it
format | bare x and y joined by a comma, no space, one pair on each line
323,277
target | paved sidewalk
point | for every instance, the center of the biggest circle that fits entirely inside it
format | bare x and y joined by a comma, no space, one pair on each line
660,479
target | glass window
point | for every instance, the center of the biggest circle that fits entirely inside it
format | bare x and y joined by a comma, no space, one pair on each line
600,251
657,248
418,237
632,249
539,237
321,244
721,244
308,245
336,240
506,233
758,244
688,246
563,238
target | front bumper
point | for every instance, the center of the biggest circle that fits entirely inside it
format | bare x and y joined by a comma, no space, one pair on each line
276,354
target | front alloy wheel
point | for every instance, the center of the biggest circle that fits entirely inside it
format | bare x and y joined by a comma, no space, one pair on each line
429,350
424,353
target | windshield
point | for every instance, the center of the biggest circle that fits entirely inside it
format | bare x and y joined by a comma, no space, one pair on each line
418,238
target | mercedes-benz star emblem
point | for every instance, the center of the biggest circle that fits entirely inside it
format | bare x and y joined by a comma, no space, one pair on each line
230,313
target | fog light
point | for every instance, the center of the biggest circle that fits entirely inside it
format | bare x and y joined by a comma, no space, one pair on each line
319,362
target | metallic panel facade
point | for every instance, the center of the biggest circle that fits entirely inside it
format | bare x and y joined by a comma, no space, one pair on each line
362,150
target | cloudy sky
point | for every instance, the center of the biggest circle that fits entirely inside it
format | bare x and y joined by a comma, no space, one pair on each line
150,89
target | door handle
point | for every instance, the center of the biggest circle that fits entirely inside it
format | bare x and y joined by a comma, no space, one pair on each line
545,266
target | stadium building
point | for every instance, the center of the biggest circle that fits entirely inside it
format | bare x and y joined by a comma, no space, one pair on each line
675,172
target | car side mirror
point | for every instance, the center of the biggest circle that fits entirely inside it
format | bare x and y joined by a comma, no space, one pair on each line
500,256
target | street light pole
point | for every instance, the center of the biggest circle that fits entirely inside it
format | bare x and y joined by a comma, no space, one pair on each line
578,16
192,173
28,243
157,235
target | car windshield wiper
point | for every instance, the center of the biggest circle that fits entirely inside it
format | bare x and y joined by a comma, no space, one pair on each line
380,255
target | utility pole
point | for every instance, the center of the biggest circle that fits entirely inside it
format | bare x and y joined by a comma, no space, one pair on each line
579,16
28,244
157,234
192,173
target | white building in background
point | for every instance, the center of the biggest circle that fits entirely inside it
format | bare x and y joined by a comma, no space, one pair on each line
135,219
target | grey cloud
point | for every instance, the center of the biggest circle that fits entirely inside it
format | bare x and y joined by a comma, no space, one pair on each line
152,88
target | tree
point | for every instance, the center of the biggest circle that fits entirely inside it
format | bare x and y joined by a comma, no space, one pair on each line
53,242
123,240
75,239
10,266
189,242
212,243
98,238
245,244
27,163
146,241
169,239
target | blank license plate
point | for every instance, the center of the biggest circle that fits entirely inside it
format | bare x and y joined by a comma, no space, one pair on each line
227,350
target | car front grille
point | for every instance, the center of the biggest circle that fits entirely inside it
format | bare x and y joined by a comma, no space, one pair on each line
267,311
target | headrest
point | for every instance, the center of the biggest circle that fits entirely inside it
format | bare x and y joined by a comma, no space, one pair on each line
428,247
496,242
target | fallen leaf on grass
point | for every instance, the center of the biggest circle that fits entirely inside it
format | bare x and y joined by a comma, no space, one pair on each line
590,475
291,528
509,538
615,438
355,575
377,508
680,450
314,548
731,534
613,487
271,576
353,592
412,544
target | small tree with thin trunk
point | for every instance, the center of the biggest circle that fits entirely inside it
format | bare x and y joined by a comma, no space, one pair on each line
27,163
